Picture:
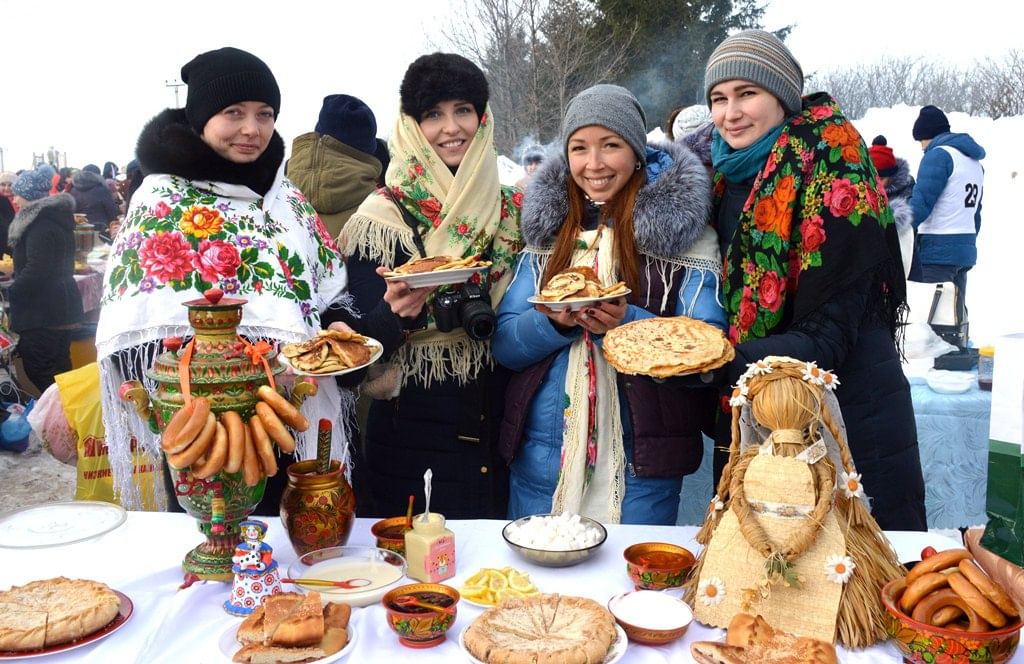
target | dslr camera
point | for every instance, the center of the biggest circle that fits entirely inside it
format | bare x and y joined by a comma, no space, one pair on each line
468,305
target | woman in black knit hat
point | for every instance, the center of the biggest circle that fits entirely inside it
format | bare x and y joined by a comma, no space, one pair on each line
812,260
437,402
215,211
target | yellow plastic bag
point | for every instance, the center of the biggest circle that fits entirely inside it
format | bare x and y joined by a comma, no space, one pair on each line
80,396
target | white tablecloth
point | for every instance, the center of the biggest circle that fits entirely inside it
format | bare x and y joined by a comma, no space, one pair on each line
142,559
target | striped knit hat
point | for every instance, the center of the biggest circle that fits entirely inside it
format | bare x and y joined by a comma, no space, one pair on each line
761,58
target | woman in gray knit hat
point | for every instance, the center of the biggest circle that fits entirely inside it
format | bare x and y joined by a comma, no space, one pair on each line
579,436
812,259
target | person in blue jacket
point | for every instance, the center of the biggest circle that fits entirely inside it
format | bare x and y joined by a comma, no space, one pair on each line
579,436
946,204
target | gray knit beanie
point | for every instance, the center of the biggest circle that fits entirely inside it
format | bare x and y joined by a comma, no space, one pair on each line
610,106
761,58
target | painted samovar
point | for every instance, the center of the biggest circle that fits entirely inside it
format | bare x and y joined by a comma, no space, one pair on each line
226,370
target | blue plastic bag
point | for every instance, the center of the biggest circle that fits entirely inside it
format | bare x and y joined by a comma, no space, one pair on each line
15,430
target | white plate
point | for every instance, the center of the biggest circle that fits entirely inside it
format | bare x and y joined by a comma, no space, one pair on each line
376,349
438,277
576,303
950,382
55,524
229,645
616,652
124,612
481,604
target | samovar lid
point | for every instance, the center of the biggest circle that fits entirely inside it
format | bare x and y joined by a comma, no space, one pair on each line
214,297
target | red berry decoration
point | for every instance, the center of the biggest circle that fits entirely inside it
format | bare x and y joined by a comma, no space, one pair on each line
927,552
213,295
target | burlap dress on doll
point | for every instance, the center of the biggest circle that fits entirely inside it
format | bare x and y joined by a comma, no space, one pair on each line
781,493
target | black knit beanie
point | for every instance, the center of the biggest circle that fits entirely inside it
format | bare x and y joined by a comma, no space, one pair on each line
930,123
217,79
439,77
349,120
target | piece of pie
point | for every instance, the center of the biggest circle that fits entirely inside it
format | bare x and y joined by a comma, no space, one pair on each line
663,347
543,629
54,611
290,627
751,640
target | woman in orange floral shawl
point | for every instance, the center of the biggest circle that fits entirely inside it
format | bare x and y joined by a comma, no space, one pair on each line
812,261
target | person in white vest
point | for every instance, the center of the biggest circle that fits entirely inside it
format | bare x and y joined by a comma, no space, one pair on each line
946,203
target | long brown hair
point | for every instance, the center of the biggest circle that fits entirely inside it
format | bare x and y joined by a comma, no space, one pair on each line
620,210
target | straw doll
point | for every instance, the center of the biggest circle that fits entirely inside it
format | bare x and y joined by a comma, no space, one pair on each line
788,536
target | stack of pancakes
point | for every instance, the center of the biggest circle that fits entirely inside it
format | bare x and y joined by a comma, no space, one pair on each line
663,347
578,283
329,350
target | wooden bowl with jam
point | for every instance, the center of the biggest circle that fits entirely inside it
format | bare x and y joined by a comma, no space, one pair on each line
658,565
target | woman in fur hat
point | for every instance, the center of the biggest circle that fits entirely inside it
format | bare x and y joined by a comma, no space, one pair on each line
45,303
632,212
438,400
812,259
215,210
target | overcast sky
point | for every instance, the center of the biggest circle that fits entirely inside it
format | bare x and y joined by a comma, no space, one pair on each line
85,76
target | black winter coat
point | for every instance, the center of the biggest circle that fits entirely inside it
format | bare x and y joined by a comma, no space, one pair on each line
449,428
874,396
44,293
94,200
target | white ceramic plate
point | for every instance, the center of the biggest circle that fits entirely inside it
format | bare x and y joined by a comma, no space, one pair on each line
437,277
376,350
55,524
124,612
950,382
577,303
481,604
616,652
229,645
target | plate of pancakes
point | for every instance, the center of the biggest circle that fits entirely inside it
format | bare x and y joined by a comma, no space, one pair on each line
576,288
434,271
330,353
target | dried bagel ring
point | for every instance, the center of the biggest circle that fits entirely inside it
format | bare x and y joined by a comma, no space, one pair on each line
926,608
976,601
937,562
988,588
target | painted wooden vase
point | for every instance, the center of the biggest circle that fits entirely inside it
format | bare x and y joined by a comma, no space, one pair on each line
317,509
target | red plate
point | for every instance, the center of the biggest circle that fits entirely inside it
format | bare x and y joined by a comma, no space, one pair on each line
124,612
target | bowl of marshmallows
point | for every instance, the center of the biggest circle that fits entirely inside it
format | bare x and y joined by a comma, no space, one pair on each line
555,540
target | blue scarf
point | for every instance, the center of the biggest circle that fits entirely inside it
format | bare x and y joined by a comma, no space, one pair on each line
743,164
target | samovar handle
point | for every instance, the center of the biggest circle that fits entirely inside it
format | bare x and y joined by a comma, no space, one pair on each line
303,388
133,391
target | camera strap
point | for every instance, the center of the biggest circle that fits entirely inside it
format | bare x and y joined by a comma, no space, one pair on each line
410,221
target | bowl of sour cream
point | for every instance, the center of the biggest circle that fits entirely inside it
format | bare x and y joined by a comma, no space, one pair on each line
651,617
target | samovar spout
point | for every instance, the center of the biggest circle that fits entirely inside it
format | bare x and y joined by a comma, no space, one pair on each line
133,391
303,388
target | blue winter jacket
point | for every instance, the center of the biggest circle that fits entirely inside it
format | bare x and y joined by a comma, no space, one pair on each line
932,175
525,337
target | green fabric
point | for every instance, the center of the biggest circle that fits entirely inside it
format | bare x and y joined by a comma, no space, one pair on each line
743,164
334,177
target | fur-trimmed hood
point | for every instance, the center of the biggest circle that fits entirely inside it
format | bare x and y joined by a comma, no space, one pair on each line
901,184
168,145
29,212
670,213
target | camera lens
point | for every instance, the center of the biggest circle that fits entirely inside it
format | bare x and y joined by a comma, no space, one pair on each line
478,319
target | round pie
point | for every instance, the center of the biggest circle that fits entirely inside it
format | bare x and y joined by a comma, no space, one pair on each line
663,347
543,629
47,613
